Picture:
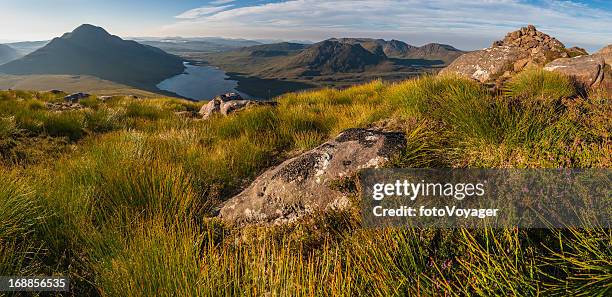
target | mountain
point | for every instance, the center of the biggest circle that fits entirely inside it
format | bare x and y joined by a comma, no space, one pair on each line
392,49
434,51
26,47
7,54
185,46
401,50
273,50
90,50
330,56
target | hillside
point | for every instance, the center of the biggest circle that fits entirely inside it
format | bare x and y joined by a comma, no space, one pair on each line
90,50
330,57
401,50
267,69
7,54
124,191
70,84
434,51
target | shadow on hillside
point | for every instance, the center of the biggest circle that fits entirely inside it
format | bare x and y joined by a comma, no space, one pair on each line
416,62
266,88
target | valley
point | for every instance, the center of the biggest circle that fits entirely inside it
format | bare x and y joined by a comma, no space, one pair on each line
89,59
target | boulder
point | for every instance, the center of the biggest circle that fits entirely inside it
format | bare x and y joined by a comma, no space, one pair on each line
235,105
606,54
75,98
230,96
218,106
303,185
576,51
518,50
588,71
211,108
485,65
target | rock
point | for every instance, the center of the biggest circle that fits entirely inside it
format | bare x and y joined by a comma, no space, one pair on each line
518,50
218,106
56,92
211,108
105,98
484,65
302,185
576,51
606,54
235,105
586,70
230,96
76,97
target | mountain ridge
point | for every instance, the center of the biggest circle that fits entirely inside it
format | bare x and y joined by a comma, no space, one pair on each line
7,54
91,50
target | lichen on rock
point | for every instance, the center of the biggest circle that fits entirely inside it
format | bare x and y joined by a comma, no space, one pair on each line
304,185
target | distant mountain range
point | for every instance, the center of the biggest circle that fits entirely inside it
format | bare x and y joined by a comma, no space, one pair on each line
26,47
267,69
7,54
90,50
332,57
181,46
401,50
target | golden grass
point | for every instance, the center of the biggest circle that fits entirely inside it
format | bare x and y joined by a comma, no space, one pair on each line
124,205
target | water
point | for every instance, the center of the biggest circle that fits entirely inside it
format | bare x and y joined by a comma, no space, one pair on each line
200,83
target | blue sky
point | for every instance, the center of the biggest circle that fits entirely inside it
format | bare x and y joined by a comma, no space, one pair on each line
467,24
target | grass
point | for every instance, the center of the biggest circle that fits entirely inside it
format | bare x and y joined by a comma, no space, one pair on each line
120,195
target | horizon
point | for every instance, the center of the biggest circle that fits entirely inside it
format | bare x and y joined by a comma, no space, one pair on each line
416,22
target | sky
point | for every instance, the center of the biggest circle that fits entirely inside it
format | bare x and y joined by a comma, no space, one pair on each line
466,24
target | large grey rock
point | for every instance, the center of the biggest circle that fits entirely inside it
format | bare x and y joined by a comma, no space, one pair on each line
235,105
301,185
75,98
211,108
484,65
218,106
588,71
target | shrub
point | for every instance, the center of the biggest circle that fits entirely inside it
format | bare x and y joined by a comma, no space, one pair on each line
144,111
539,84
64,124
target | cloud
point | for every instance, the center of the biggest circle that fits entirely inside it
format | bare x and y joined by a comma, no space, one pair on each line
221,2
202,11
467,23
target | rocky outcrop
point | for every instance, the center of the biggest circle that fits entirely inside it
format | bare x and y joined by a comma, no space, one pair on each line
211,108
302,185
518,50
576,51
485,65
587,71
227,104
75,98
606,54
